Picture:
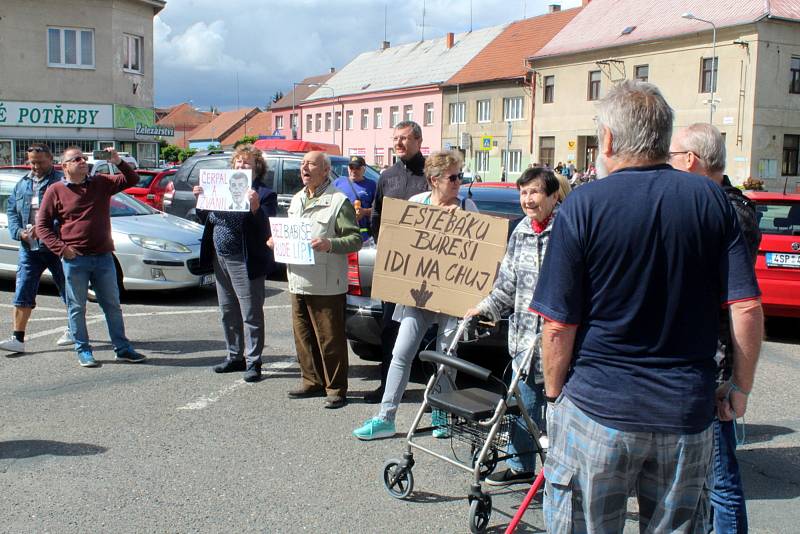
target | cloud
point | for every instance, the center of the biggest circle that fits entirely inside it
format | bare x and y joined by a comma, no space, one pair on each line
203,46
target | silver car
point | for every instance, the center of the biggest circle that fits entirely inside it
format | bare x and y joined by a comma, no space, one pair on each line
153,250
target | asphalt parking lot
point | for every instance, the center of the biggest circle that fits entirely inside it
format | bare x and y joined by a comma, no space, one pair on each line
169,446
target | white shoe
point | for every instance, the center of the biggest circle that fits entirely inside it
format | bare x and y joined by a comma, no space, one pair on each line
65,339
544,442
12,344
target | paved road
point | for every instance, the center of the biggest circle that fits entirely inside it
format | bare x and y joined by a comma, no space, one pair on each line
170,446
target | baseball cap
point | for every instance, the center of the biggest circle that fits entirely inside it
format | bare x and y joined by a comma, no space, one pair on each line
357,160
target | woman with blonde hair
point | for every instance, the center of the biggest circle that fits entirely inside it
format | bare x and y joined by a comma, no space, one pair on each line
443,171
234,242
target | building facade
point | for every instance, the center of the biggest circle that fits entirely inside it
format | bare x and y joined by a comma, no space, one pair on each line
77,72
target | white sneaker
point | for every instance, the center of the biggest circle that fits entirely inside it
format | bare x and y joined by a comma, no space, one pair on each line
65,339
12,344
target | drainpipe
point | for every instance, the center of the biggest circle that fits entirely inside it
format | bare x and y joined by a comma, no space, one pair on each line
533,103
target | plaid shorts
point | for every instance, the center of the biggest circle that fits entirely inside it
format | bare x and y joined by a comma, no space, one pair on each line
591,470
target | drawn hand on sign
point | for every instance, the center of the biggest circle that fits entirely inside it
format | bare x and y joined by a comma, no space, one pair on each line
421,296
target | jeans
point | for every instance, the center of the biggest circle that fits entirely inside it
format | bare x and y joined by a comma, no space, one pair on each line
241,303
520,440
728,511
30,267
99,270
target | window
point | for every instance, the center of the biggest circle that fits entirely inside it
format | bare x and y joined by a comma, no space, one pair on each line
408,113
318,127
291,182
547,151
791,144
278,122
394,116
794,87
337,121
133,53
428,113
484,110
348,119
458,110
549,89
71,48
293,120
309,123
776,218
514,160
706,75
641,72
593,91
328,122
364,119
512,108
377,118
482,161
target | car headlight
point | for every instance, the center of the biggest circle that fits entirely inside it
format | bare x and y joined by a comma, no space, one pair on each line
156,243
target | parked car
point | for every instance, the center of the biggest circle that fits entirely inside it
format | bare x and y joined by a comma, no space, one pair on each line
153,250
102,166
364,314
151,187
283,177
778,262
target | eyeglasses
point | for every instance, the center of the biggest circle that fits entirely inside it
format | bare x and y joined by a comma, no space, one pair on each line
75,159
673,154
402,138
453,178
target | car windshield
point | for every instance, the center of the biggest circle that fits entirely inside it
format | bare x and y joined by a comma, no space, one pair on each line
777,218
499,206
145,179
124,206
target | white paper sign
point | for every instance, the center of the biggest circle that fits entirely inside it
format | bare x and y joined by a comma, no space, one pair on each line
292,239
224,189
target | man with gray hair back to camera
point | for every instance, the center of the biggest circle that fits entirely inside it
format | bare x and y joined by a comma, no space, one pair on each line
700,149
631,298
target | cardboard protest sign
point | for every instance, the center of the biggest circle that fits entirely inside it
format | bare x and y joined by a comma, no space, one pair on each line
224,189
439,261
292,239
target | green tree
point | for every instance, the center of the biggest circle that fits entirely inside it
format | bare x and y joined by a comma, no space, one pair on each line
246,140
186,153
171,153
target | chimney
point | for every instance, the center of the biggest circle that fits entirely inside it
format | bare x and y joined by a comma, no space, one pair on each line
554,8
449,41
385,45
333,69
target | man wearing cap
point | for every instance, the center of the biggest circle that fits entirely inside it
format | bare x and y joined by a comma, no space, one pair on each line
360,191
34,256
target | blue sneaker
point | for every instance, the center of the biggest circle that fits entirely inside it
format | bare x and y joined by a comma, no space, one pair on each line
86,359
439,420
375,428
131,356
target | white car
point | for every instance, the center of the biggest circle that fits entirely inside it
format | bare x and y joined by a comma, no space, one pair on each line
154,250
102,166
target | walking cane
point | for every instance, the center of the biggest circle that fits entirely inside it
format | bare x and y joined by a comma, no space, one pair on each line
537,484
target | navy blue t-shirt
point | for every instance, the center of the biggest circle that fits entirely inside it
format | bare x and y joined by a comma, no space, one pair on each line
642,261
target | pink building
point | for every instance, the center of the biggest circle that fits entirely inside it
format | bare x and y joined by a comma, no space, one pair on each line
358,106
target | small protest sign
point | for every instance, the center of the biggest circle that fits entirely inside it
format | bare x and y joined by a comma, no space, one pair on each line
224,189
291,238
436,260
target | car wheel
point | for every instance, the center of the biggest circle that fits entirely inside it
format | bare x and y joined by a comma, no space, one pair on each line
365,351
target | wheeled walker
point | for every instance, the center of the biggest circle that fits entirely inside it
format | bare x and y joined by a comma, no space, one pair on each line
479,417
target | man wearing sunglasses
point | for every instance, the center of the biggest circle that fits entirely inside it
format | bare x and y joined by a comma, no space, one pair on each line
360,191
34,257
79,207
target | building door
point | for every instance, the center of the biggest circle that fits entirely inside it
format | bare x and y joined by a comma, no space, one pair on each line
591,151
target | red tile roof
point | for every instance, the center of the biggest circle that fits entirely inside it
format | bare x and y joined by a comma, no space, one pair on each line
300,91
184,117
222,125
504,58
260,124
601,23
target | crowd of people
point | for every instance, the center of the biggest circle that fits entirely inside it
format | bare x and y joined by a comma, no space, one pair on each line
641,285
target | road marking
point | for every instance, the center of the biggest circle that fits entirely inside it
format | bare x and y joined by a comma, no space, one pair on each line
37,307
60,329
207,400
151,314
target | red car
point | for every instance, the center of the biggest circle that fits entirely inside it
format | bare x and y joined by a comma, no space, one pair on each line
151,186
778,262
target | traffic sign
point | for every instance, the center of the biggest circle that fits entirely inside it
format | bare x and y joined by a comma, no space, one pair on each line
486,142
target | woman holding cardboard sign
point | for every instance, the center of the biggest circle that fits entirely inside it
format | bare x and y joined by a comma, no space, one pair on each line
513,289
443,171
235,243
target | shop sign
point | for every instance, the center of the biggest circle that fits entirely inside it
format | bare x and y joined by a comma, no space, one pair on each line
52,115
128,116
148,129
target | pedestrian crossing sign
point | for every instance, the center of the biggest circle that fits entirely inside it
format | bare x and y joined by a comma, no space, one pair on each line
486,142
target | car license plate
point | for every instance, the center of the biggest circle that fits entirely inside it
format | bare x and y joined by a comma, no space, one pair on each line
207,280
780,259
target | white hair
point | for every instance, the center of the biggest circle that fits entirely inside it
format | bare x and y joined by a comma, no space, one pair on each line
706,142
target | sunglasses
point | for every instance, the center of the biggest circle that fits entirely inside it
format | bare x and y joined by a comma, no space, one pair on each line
38,149
453,178
75,159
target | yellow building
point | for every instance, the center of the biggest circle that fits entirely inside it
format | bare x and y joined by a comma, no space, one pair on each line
755,80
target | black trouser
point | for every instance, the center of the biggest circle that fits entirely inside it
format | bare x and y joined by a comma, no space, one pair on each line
389,330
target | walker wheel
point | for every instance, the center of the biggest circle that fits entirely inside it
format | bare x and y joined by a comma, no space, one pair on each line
480,511
398,480
489,465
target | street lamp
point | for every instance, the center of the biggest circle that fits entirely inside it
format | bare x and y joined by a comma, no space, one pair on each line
333,103
690,16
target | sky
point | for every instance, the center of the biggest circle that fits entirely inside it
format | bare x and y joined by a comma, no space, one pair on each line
202,47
